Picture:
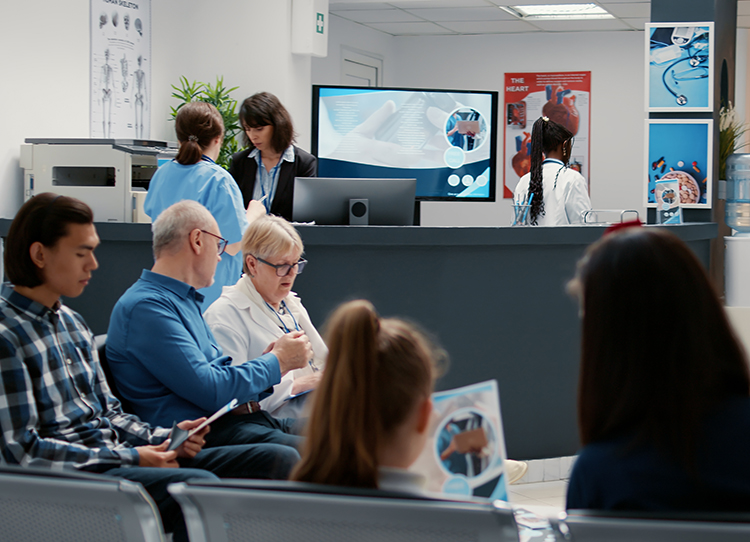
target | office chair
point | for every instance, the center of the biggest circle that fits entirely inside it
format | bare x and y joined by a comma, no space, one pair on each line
248,511
38,504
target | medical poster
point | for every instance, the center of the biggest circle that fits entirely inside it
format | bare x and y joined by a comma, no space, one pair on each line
679,66
120,102
680,150
564,97
466,447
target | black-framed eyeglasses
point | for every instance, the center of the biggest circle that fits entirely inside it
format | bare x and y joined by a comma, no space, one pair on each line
222,242
283,269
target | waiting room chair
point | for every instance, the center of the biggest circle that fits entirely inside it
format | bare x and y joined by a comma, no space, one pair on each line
38,504
594,526
100,341
248,511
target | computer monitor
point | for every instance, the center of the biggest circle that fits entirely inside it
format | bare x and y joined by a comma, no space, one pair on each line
348,201
446,139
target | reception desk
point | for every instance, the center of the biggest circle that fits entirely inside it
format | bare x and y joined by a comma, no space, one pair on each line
493,297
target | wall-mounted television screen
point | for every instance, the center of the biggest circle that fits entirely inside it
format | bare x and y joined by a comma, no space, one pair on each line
446,139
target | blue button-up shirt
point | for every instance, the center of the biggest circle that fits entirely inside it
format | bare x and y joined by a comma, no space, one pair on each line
166,360
56,410
266,182
210,185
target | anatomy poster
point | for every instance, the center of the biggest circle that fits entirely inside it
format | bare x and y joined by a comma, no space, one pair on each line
120,69
679,66
564,97
680,150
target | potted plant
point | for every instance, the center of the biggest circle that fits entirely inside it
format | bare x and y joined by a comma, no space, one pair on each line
731,131
218,96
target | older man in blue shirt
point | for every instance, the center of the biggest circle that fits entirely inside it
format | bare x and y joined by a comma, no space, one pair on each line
165,359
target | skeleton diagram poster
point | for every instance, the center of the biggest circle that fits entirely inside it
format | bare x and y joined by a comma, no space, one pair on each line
120,104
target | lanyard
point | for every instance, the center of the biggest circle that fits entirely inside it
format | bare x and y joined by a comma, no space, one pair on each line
562,167
283,325
273,175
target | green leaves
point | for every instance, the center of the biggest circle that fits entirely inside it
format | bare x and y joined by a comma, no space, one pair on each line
218,96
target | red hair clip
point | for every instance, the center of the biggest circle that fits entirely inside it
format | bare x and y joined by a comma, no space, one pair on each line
623,225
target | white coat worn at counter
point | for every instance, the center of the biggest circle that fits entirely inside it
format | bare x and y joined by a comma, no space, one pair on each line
566,194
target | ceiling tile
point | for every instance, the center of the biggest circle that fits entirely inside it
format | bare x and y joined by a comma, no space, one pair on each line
641,9
581,26
463,14
490,27
335,6
743,8
536,2
743,21
410,29
376,16
442,4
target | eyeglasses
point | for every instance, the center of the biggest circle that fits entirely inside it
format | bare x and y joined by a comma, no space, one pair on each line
283,269
222,242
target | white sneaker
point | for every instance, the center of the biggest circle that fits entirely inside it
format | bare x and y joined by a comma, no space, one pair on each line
515,470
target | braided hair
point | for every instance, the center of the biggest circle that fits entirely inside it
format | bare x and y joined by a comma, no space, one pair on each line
546,136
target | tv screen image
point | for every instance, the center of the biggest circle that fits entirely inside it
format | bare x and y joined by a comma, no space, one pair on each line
446,139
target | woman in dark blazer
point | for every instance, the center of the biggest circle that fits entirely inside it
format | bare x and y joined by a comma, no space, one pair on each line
269,135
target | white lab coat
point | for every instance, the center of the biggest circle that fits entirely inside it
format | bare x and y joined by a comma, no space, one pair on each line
244,326
566,194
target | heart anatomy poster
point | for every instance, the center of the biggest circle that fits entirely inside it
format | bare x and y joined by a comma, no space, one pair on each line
563,97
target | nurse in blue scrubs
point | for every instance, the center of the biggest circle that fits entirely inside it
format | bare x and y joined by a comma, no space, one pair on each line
194,175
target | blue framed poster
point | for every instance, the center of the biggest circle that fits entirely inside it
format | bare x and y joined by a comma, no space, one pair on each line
680,149
679,66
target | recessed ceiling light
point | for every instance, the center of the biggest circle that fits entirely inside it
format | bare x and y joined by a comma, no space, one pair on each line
559,11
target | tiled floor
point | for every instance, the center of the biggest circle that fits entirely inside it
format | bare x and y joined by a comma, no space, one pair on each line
543,498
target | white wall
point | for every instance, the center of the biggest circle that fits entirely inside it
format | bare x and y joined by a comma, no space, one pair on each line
248,42
480,62
343,33
615,60
45,67
45,63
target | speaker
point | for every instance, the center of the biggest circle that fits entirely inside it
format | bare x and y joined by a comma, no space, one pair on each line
359,212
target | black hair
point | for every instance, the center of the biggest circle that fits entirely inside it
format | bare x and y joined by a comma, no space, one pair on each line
546,136
265,109
44,219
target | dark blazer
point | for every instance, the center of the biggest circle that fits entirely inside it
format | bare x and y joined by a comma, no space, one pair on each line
244,170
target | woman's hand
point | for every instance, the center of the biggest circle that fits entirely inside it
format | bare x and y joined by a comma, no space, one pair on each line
307,382
255,210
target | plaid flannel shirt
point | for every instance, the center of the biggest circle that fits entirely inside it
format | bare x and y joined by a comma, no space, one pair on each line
56,409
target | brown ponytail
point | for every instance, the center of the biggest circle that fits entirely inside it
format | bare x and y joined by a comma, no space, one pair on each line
376,373
197,125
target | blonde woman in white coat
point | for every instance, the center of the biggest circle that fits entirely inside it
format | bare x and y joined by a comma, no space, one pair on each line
261,307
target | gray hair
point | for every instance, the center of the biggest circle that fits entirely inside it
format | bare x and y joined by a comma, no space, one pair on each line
269,236
174,224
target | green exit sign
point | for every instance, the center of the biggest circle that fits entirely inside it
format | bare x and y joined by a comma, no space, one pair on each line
319,25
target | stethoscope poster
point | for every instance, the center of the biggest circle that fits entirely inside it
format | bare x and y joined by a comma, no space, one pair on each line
564,97
680,150
120,69
679,66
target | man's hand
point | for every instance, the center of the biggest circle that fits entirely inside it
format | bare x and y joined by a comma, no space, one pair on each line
293,351
194,444
157,456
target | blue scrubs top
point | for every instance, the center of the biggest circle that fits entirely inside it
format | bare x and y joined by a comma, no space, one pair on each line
210,185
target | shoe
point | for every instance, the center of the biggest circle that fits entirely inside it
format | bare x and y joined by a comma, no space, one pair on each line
515,470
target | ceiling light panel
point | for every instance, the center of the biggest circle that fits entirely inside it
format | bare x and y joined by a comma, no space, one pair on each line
545,12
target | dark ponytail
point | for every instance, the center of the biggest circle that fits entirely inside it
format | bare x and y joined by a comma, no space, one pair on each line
377,372
197,125
546,136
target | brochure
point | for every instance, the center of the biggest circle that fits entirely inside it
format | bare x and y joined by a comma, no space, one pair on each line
465,450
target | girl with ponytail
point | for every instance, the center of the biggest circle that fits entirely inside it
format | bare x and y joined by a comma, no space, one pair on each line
371,411
560,194
194,175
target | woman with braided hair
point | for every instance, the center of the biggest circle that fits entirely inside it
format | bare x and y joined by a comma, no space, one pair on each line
560,194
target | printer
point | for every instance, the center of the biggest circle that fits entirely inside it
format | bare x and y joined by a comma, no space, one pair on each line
110,175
